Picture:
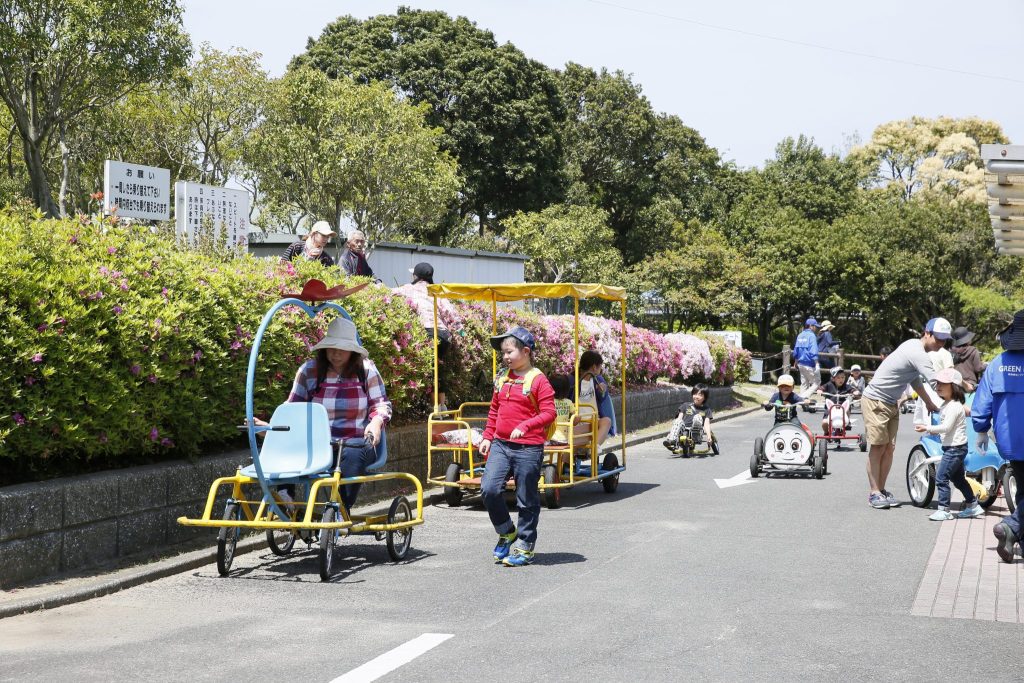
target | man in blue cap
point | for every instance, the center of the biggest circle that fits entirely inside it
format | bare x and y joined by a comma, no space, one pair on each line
999,404
805,353
880,402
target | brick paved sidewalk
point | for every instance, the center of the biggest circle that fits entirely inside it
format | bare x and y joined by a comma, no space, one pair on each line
965,579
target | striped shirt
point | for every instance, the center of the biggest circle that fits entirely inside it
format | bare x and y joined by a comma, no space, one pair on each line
349,406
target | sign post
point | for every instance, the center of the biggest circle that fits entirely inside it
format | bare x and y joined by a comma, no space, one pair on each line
226,209
136,191
1004,165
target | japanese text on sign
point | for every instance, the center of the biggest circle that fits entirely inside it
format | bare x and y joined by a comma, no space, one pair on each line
136,191
226,210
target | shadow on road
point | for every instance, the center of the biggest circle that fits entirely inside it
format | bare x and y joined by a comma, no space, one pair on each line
301,565
558,558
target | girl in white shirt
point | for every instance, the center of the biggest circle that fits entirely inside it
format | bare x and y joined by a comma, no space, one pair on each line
952,428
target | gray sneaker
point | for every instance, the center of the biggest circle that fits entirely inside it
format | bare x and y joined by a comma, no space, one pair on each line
878,501
891,499
1006,538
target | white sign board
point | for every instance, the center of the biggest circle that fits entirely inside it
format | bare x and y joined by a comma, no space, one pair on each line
734,337
136,191
226,209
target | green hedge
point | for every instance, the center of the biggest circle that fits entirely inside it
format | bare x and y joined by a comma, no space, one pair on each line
121,348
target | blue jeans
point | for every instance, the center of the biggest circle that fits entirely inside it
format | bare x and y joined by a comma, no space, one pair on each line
1015,520
951,469
357,456
523,463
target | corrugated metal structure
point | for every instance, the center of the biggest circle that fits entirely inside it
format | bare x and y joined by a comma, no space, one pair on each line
391,261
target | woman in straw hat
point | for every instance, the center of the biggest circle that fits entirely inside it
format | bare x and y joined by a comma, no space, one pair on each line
343,378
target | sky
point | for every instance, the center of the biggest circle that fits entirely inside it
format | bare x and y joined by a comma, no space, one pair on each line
745,73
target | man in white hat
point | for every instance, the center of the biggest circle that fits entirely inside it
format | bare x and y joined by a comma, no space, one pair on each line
314,247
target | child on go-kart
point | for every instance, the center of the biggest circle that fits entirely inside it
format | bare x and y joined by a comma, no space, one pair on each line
838,386
695,414
784,396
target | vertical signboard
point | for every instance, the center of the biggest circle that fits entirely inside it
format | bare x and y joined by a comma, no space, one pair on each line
227,211
136,191
1004,166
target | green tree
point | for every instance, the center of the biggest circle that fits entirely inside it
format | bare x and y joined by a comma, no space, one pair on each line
610,161
820,186
61,59
333,149
566,244
701,280
500,112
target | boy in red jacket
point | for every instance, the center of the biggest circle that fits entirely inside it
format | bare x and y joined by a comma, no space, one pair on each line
522,407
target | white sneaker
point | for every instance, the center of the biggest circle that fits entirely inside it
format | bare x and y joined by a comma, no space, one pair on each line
974,511
942,515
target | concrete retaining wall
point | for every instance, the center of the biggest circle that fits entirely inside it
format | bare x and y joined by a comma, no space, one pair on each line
70,524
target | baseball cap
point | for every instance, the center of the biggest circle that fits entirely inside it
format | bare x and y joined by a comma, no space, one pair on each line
322,227
854,368
836,370
810,321
939,328
949,376
520,333
785,380
424,271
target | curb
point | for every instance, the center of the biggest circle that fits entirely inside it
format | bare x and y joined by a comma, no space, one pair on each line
160,569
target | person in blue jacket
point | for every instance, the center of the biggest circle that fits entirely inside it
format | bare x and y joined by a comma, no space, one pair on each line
999,405
805,353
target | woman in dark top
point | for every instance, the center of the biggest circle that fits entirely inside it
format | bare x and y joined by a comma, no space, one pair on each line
314,247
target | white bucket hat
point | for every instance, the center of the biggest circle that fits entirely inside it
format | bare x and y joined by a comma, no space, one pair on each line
341,334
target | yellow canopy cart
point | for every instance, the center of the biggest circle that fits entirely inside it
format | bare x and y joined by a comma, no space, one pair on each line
565,465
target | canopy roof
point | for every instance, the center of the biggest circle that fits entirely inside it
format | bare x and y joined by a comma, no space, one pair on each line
526,290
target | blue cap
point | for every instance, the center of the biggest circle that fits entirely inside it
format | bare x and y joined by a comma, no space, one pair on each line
520,333
811,321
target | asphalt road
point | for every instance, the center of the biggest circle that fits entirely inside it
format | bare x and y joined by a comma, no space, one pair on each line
670,578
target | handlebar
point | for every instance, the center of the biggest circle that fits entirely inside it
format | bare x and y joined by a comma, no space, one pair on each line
265,428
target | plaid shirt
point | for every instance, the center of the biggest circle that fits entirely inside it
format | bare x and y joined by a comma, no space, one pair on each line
349,408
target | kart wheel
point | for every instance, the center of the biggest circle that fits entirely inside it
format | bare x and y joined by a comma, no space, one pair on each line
755,458
453,494
279,540
399,540
328,541
993,491
1010,489
862,442
714,446
610,483
920,486
552,496
227,539
819,460
685,448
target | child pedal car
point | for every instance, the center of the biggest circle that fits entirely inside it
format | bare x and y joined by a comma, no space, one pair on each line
789,444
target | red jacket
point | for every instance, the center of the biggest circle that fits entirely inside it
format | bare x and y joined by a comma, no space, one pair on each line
510,409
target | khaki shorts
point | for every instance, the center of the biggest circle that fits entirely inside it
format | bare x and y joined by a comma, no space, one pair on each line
881,421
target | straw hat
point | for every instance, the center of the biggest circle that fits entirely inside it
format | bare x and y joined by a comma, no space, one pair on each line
342,335
827,325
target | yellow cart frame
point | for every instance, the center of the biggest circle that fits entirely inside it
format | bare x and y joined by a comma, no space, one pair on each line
463,473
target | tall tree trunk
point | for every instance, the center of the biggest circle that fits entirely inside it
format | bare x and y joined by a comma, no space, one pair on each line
65,172
39,183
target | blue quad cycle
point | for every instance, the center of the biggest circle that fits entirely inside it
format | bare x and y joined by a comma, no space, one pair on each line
986,470
298,450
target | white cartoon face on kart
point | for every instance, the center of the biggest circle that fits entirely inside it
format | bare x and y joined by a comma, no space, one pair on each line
787,444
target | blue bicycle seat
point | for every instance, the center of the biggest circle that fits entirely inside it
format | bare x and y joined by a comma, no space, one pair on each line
303,450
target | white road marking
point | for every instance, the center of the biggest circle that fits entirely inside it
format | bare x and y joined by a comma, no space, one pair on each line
392,659
738,480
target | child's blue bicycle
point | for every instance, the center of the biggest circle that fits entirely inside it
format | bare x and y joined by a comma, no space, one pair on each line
986,470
